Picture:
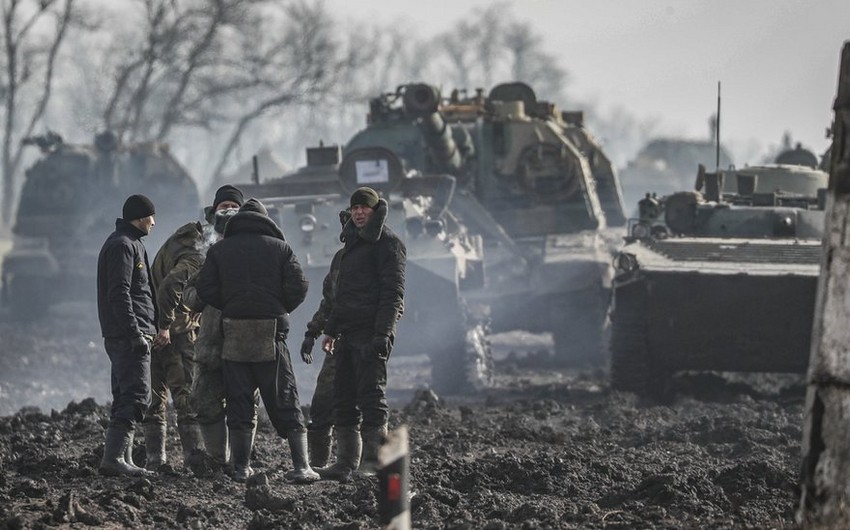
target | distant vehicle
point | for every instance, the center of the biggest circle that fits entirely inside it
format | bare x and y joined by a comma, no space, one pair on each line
68,205
721,278
537,188
666,165
444,261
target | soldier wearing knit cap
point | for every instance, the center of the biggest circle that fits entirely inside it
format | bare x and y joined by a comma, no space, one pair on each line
254,278
366,301
126,308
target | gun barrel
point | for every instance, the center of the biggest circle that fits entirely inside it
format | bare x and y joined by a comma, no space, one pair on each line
422,101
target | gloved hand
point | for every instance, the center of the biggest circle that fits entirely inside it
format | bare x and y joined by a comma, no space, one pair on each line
140,345
307,349
381,346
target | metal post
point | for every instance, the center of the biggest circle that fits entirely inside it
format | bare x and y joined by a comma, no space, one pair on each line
394,481
825,472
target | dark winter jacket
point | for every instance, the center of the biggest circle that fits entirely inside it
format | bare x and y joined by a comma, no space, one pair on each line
316,325
252,273
180,257
369,293
126,305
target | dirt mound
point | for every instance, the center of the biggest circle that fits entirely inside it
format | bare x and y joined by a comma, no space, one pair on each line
547,449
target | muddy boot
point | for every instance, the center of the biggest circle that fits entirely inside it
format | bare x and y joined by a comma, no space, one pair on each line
190,439
241,443
215,440
128,454
373,439
348,448
113,463
301,473
155,434
319,440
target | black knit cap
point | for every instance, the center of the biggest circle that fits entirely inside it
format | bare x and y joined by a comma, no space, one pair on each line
366,196
137,207
228,193
254,205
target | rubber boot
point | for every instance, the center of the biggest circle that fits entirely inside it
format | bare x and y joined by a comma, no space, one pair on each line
113,463
215,440
301,473
241,443
373,439
154,445
128,454
190,438
348,449
319,440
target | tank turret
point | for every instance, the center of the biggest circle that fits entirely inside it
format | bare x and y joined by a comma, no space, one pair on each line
533,183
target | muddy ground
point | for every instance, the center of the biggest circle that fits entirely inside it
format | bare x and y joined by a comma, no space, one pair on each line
549,447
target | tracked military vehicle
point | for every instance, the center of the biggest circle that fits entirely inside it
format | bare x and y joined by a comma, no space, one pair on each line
444,261
721,278
68,205
533,184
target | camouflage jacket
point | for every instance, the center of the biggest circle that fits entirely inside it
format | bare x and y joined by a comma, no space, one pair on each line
179,258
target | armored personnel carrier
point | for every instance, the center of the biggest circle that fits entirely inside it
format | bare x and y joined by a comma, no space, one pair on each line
533,184
68,205
444,260
721,278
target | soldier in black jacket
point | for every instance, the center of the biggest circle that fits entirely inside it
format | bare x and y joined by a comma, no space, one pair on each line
127,312
368,299
253,277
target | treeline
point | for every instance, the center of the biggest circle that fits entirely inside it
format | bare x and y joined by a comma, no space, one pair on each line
220,79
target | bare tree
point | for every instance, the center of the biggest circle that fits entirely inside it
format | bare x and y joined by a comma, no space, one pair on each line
221,66
33,33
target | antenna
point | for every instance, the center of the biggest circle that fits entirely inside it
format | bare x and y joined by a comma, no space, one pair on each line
717,132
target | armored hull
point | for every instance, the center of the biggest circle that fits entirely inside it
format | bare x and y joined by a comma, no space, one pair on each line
444,262
68,205
534,185
731,288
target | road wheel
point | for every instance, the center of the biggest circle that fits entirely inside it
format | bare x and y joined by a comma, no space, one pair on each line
633,368
464,363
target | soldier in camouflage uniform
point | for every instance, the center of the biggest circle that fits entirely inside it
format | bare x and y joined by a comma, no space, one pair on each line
320,429
173,362
207,392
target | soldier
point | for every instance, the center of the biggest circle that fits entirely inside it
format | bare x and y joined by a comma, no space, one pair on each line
253,277
126,309
172,358
368,299
208,395
320,429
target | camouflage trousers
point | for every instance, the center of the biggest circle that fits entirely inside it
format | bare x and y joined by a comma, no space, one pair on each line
322,405
172,369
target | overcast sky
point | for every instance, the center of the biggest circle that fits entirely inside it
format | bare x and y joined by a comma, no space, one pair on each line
777,60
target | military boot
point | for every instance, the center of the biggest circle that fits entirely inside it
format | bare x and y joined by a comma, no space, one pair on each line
348,449
319,440
301,473
114,463
190,438
128,454
373,439
241,443
215,440
155,434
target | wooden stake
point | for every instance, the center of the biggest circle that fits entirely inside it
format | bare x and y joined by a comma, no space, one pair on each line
825,472
394,481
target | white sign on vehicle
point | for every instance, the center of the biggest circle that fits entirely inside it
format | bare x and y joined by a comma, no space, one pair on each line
372,171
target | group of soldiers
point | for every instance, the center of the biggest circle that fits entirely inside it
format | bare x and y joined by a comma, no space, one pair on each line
207,323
